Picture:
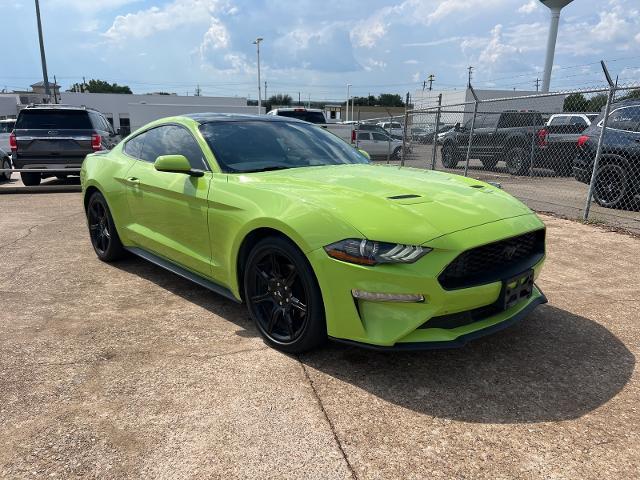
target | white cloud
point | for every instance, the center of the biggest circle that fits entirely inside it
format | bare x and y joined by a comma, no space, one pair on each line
371,64
415,77
529,7
84,5
156,19
411,62
216,37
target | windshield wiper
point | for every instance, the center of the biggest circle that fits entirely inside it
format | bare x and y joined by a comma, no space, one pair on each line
267,169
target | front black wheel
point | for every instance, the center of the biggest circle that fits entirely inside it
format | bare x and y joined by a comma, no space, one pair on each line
6,165
283,296
397,153
102,230
449,156
517,161
611,189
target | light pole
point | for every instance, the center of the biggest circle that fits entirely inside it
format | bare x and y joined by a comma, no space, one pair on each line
42,57
256,42
346,119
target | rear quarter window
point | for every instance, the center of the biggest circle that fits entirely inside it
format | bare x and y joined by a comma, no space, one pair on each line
54,120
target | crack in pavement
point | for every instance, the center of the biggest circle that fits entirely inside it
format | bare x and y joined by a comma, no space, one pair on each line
326,416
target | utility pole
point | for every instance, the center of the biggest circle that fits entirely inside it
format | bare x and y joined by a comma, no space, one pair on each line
346,117
55,95
537,84
265,92
43,59
198,90
299,99
470,75
430,79
84,84
256,42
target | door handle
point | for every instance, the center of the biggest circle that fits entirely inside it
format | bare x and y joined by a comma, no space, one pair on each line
133,180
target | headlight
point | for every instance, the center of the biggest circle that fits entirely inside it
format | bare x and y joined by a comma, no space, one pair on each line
368,252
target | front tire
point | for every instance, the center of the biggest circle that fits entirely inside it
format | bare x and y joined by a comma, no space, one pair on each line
6,164
517,161
449,157
612,187
30,179
283,296
397,153
102,230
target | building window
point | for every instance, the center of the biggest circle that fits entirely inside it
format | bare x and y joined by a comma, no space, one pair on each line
125,126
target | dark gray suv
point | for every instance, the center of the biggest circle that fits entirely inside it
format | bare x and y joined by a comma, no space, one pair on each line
57,138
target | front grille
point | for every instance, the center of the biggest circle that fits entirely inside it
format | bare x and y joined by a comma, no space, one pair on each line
494,261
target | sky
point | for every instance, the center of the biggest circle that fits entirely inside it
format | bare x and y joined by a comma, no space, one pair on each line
316,47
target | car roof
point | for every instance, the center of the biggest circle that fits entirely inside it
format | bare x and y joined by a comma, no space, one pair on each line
49,106
208,117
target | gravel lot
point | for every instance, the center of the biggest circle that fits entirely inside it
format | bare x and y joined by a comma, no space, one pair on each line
126,371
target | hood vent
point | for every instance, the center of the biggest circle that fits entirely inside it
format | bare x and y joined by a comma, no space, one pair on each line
404,197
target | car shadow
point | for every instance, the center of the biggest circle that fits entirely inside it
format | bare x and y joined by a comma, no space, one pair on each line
554,365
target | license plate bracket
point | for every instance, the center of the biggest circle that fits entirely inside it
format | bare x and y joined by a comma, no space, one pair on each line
517,289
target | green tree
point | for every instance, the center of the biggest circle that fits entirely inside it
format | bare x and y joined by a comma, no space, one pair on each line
278,100
576,102
596,102
390,100
632,95
99,86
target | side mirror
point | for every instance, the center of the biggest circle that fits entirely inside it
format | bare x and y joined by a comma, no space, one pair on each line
457,127
366,154
175,164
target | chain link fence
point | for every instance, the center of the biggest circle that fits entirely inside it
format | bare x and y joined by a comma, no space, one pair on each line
543,149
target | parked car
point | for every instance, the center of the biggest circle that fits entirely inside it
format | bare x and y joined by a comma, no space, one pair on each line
6,127
345,131
507,137
423,134
316,240
442,131
618,177
557,141
379,145
57,138
395,129
5,164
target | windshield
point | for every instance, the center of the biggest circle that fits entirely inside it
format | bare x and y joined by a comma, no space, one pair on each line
56,119
255,145
306,115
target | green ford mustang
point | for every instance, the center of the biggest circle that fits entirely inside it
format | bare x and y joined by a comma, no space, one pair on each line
316,240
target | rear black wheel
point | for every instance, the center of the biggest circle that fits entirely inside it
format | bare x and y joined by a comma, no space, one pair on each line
30,179
397,153
517,161
283,296
102,230
6,164
611,189
449,156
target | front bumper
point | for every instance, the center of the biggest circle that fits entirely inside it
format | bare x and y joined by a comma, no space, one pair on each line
403,325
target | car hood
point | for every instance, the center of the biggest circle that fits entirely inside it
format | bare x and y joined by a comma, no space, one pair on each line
388,203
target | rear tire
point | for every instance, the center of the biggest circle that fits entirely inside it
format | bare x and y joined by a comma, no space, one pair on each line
612,188
102,230
449,157
6,163
517,161
30,179
397,153
283,296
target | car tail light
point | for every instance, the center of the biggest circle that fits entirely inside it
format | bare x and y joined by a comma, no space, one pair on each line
13,142
582,139
96,142
353,136
542,137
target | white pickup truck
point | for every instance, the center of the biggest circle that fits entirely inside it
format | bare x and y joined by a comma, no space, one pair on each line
315,115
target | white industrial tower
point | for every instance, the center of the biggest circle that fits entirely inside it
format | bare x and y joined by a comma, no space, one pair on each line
555,6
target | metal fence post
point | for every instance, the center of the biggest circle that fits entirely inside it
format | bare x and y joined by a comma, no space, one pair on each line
389,141
534,136
404,138
473,126
434,152
605,121
358,129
